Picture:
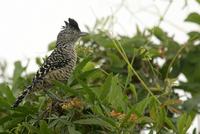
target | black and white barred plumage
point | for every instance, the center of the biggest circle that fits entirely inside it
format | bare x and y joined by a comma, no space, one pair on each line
59,65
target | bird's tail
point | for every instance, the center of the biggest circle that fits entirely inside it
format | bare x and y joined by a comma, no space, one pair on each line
22,96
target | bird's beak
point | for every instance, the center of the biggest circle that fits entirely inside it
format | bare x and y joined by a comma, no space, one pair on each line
83,33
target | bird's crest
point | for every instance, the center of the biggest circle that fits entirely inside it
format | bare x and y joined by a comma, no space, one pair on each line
72,23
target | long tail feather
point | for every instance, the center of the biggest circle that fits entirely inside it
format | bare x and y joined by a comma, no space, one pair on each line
22,96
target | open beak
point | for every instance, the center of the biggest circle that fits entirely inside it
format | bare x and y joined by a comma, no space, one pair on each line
83,33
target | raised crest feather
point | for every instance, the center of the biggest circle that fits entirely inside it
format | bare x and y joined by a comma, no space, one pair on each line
73,24
66,23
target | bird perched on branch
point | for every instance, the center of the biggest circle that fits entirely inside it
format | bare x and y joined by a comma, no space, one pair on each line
59,65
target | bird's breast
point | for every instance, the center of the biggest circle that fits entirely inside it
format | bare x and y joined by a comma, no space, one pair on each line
64,73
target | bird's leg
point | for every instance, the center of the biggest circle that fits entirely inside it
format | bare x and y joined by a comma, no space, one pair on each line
52,96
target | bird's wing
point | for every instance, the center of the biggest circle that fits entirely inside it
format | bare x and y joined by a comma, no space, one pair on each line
55,61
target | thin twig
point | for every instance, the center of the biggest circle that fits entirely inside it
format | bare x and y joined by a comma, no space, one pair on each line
173,60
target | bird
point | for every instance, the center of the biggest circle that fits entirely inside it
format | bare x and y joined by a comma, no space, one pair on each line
59,65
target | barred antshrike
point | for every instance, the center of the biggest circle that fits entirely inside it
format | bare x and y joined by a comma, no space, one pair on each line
59,65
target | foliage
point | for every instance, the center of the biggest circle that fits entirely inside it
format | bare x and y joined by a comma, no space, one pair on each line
117,87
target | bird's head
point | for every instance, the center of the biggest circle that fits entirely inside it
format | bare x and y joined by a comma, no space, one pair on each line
70,32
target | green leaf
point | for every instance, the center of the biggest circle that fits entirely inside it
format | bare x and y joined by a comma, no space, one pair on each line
5,119
184,122
93,74
192,104
52,45
94,121
142,105
159,33
44,127
105,88
66,88
193,17
115,96
194,36
4,103
72,130
134,92
13,122
19,69
170,124
89,66
88,91
38,61
53,123
103,40
81,65
166,41
145,119
115,60
30,128
181,123
7,93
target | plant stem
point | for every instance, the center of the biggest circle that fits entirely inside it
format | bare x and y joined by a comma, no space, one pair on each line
173,60
123,54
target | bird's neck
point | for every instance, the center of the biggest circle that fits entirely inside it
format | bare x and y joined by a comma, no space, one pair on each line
65,45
